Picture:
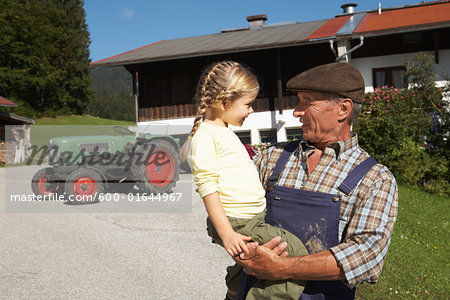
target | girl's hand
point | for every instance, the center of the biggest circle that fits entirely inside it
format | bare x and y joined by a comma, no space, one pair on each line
234,243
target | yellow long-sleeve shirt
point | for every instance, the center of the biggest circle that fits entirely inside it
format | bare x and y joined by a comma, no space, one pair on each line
220,163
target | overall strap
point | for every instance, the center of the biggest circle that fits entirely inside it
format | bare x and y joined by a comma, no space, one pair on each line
355,175
281,162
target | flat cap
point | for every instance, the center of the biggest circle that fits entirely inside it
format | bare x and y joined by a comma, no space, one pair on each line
342,79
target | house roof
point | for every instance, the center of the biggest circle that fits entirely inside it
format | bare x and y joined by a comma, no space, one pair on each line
391,20
225,42
13,119
429,14
330,28
10,118
7,103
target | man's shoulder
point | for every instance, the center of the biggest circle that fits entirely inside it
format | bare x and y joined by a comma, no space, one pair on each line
379,170
279,146
383,172
275,149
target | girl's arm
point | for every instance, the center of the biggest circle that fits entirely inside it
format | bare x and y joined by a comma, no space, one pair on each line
233,242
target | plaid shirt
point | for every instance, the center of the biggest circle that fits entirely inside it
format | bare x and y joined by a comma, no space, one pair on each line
367,215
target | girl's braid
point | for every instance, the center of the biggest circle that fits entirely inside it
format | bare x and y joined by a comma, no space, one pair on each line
212,89
221,81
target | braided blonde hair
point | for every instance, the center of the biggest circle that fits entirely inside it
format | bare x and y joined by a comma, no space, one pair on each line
220,82
225,80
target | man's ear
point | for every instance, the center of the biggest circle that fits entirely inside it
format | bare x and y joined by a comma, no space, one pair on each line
345,109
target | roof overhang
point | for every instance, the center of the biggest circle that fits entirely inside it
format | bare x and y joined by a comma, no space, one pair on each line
268,37
198,54
13,119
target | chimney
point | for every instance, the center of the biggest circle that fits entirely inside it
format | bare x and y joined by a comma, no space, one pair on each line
257,21
349,8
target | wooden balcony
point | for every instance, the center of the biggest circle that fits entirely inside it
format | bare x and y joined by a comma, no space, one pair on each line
189,110
167,112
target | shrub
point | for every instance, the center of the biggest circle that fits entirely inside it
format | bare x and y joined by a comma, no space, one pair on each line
411,162
408,130
253,150
395,128
388,117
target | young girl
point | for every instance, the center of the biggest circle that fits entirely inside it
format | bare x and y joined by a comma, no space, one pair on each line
227,179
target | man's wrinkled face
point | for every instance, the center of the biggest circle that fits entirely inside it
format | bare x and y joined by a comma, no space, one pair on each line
318,116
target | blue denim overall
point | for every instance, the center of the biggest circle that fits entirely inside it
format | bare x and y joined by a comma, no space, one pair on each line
314,218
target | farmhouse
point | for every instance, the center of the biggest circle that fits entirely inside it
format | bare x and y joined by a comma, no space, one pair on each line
378,42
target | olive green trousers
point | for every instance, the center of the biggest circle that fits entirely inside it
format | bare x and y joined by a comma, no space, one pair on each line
261,232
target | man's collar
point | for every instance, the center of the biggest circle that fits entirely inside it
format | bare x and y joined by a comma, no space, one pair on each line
339,147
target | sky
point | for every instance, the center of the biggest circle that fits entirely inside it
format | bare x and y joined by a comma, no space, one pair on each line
117,26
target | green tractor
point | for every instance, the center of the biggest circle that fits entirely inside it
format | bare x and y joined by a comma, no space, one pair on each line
82,167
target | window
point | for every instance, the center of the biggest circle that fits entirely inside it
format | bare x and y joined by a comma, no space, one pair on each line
391,77
294,134
269,136
244,136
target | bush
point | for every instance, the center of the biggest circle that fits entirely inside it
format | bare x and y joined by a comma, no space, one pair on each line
411,162
388,117
394,127
408,130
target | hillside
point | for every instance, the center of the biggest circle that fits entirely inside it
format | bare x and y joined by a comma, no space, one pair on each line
112,98
114,79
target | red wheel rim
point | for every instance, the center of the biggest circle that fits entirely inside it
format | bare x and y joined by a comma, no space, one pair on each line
160,168
84,186
42,185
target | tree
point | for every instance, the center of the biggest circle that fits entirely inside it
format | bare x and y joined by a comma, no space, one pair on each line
44,56
421,76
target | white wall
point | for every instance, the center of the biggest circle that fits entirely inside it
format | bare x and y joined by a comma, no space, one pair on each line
366,64
254,123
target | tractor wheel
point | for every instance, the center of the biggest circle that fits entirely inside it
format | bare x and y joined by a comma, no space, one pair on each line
83,186
41,185
160,172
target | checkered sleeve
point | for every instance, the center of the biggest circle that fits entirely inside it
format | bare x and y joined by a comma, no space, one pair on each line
365,243
260,161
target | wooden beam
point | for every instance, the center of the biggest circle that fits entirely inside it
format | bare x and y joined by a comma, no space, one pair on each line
436,47
135,97
279,104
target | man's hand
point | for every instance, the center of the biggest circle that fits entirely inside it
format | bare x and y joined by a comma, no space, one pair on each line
234,243
264,262
270,262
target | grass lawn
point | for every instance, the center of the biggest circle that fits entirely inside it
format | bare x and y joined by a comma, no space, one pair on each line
417,265
47,128
79,120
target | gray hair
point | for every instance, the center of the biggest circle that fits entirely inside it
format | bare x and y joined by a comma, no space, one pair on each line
334,98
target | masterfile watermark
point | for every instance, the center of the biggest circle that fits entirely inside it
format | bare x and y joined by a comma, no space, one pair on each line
146,156
109,168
